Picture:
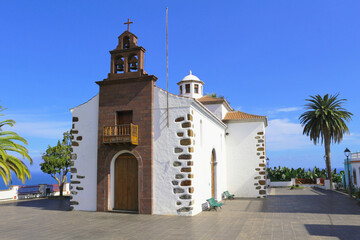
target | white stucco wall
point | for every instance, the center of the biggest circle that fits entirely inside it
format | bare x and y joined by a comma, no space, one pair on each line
9,194
209,135
219,110
166,140
86,162
242,158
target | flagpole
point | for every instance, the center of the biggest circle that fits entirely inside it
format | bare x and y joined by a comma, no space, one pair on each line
167,70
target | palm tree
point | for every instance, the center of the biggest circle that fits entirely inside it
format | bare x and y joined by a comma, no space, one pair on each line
325,120
8,146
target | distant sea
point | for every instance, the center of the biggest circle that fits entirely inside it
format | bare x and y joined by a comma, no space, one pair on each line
36,178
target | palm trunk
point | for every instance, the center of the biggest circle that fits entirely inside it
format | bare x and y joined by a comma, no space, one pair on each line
328,159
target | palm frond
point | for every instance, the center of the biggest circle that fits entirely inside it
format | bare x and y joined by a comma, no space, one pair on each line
10,143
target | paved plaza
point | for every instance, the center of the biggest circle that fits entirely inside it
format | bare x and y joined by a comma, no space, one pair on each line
285,214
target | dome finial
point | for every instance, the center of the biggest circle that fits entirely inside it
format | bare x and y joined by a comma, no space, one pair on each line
190,72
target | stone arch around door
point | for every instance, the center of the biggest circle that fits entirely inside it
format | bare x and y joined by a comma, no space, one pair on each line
135,157
213,173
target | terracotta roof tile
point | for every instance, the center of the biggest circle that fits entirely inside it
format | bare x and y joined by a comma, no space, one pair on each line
207,99
213,100
237,115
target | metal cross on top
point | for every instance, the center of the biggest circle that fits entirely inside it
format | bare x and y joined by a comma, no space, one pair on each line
128,23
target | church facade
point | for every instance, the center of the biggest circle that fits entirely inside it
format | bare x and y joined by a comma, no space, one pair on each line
141,149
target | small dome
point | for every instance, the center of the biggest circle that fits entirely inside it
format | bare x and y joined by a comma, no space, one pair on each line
191,86
190,77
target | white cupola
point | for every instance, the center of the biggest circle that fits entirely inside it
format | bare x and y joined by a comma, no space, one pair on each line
191,86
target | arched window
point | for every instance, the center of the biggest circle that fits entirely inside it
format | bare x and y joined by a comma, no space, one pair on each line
133,63
126,42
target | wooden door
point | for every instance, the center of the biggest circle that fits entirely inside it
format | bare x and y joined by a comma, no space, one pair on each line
212,175
123,117
126,183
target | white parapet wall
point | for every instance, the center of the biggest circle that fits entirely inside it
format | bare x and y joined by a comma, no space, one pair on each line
282,183
326,185
9,194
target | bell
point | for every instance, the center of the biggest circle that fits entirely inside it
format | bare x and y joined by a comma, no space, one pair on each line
120,68
133,66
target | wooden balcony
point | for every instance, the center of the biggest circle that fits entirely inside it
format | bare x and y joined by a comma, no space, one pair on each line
119,134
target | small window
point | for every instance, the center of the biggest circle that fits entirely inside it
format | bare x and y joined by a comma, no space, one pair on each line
180,89
187,88
201,90
196,88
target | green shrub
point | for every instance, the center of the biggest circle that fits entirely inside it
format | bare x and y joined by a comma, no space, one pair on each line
285,174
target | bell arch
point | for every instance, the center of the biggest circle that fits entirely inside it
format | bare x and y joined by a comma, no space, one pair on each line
126,42
133,63
119,64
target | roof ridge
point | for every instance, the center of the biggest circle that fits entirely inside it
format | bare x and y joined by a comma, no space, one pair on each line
239,115
247,113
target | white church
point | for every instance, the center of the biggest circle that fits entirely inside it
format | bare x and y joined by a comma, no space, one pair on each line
138,148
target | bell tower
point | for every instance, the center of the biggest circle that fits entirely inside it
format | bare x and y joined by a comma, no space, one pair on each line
127,59
125,125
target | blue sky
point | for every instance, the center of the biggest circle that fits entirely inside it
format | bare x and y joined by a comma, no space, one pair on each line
265,57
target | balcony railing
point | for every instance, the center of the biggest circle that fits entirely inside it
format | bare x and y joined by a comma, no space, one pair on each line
126,133
355,156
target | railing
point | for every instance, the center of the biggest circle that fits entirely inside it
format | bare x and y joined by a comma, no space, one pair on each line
355,156
126,133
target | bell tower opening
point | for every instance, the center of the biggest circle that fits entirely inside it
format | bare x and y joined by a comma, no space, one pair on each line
126,42
119,64
133,63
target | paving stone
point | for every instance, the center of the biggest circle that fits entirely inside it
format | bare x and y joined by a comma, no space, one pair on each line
284,214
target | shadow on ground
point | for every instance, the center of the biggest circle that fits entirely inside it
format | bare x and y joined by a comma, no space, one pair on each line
310,201
343,232
55,204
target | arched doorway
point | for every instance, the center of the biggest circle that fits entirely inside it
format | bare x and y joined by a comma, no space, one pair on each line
126,183
213,172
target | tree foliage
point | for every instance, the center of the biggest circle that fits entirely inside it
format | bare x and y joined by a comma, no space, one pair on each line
9,145
214,95
57,160
286,174
325,122
325,118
